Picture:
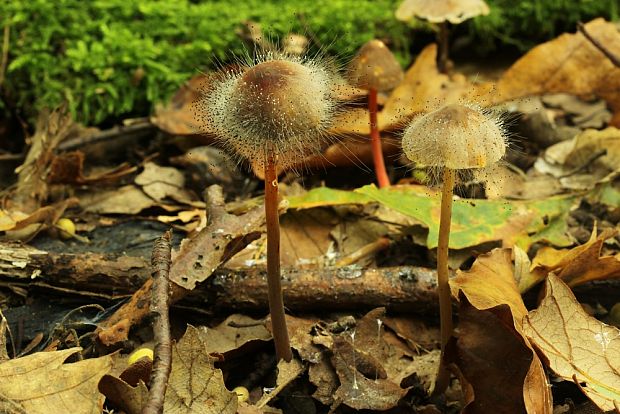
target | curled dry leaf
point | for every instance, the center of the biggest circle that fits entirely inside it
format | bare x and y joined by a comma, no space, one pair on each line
578,265
490,283
577,346
41,383
195,385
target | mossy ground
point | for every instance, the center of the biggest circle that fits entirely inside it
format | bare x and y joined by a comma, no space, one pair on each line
115,58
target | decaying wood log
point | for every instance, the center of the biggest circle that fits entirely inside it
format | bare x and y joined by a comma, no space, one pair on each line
405,288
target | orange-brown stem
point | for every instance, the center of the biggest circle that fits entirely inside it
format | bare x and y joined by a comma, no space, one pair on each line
375,141
443,284
276,303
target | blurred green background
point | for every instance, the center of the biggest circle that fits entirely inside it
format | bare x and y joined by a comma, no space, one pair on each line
115,58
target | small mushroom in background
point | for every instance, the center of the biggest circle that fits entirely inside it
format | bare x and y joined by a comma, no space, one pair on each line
375,69
452,139
442,12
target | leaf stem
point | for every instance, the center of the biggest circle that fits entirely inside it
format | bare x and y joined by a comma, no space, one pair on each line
274,286
375,141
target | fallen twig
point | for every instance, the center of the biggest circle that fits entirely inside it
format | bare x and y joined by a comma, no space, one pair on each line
225,235
604,50
162,361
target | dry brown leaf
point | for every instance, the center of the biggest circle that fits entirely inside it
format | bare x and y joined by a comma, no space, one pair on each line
287,372
570,63
26,227
324,377
356,389
163,182
577,346
68,168
494,358
301,338
416,332
578,265
178,117
234,332
31,188
491,282
195,385
488,284
122,395
41,383
128,199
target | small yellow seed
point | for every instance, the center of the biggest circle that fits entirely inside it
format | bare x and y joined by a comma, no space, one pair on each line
139,354
66,227
242,393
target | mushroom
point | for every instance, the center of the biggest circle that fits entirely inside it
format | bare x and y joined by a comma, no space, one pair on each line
272,113
375,69
442,12
455,138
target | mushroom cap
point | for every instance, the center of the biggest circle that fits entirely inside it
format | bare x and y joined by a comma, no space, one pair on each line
455,136
280,106
439,11
375,67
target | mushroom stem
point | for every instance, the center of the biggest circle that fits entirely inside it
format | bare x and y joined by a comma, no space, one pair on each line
442,53
375,140
276,302
443,285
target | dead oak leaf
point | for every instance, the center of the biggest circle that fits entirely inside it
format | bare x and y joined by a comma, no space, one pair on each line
195,385
42,383
577,346
570,63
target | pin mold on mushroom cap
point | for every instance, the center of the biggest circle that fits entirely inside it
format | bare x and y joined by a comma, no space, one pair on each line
375,67
455,136
282,105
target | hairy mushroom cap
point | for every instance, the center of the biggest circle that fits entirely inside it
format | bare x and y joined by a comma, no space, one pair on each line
439,11
375,67
455,136
280,106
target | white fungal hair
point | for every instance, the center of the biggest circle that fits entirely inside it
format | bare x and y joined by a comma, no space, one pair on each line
280,106
456,136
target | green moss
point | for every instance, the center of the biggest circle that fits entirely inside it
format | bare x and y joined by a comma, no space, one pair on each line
110,58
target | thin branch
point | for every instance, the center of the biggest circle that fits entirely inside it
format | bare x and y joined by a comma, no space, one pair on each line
162,363
611,56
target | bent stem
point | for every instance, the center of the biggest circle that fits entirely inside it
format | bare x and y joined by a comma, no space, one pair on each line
274,286
375,141
443,285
